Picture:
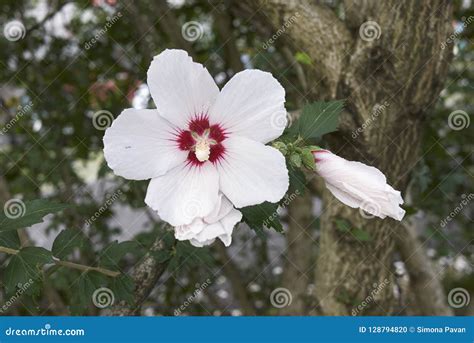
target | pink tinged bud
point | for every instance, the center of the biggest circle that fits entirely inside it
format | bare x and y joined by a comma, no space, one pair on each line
358,185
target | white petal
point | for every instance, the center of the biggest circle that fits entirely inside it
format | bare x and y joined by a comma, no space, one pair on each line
184,193
228,223
224,206
251,173
186,232
141,145
180,87
221,229
343,196
219,224
252,105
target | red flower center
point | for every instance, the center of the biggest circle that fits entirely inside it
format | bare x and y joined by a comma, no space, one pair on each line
202,140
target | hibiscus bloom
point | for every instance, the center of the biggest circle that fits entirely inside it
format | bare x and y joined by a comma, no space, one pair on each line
202,147
358,185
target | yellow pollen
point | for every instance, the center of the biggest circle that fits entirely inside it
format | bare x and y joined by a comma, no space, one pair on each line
202,149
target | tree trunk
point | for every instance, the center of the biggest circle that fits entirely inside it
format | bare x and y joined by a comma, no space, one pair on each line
388,63
297,273
425,284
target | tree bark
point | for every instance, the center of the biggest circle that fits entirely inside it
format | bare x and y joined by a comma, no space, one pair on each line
297,270
145,276
402,71
424,281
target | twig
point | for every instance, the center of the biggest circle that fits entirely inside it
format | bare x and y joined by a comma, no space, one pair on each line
49,16
68,264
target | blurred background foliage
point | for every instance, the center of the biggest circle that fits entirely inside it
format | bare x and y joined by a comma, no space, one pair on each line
53,151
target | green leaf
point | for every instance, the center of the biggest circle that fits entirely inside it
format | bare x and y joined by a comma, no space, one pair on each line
33,213
67,241
162,256
25,268
114,252
263,215
343,225
181,261
9,239
297,181
87,284
361,235
303,58
317,119
123,287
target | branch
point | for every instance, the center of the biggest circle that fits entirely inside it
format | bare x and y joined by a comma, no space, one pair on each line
68,264
145,277
49,16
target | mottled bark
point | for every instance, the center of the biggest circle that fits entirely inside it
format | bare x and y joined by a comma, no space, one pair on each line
423,279
315,30
145,276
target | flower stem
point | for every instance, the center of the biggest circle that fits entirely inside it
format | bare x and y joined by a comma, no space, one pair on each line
68,264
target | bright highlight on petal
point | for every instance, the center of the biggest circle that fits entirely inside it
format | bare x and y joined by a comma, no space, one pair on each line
358,185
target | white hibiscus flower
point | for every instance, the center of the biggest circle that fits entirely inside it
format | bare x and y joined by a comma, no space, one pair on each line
202,148
358,185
